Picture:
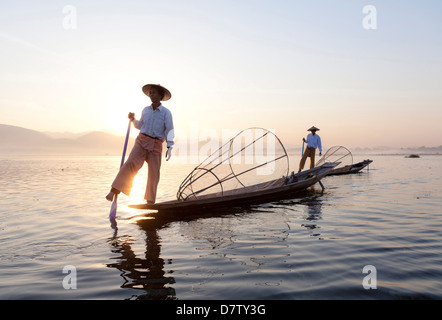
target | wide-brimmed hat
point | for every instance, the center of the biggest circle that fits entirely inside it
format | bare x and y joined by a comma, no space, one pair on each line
167,94
313,129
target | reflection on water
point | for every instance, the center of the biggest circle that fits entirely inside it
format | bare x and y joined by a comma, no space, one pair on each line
312,201
143,273
217,233
147,273
314,213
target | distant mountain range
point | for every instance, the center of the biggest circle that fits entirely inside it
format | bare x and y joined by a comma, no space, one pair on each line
20,141
406,151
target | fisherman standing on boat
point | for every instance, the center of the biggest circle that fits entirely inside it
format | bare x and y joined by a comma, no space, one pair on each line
155,126
313,142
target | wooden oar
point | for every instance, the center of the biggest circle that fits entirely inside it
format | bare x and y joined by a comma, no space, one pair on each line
113,211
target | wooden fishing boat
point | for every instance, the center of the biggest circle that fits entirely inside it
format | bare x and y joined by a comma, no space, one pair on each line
252,167
350,169
345,158
259,193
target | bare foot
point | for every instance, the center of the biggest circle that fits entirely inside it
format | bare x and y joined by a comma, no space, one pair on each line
110,196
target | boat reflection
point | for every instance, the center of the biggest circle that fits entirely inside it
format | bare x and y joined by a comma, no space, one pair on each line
312,201
146,273
313,214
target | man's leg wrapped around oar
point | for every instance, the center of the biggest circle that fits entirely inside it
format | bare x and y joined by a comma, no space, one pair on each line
145,149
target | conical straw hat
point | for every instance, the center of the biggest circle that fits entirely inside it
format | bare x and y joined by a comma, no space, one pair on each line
167,94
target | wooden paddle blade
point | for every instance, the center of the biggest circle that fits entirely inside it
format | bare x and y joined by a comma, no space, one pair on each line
113,210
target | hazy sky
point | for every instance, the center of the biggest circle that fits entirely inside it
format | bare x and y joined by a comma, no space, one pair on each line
282,65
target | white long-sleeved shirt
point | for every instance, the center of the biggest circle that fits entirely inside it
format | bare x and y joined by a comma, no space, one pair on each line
314,141
156,123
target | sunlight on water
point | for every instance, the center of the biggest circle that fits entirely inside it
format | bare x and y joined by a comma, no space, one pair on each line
53,214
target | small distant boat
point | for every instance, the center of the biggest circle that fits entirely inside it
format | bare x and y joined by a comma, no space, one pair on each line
413,156
350,169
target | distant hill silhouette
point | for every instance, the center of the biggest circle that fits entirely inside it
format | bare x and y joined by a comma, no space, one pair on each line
20,141
63,135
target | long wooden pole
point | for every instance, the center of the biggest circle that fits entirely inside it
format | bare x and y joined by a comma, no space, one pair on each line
113,211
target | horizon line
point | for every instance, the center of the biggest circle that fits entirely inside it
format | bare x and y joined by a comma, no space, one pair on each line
116,134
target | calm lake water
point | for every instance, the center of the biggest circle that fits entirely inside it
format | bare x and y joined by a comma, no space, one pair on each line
53,214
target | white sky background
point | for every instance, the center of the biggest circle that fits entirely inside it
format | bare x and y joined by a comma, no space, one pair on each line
282,65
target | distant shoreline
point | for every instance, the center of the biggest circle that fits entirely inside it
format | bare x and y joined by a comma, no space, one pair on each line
18,141
6,157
